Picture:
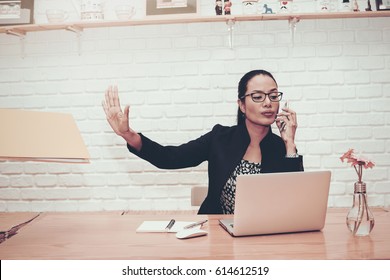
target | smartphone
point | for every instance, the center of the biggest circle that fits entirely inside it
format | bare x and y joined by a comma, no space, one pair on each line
282,123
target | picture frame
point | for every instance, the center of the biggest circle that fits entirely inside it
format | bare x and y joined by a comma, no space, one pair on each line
382,5
14,12
171,7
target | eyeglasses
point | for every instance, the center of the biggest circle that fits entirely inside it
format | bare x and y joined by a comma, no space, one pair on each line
258,97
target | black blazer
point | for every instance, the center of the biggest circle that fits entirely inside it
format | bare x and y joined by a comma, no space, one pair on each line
223,148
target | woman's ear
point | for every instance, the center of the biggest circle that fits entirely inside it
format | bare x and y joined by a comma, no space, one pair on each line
241,105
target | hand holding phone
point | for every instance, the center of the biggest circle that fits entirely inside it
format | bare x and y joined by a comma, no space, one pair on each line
286,121
282,126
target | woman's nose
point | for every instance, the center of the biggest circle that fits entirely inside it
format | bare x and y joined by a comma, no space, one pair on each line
267,101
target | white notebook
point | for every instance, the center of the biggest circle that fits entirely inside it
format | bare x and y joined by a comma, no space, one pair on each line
160,226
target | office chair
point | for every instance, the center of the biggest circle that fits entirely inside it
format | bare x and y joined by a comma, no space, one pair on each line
198,194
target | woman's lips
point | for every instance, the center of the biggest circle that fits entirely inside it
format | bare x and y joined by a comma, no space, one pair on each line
268,114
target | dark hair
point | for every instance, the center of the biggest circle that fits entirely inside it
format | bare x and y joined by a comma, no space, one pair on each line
243,87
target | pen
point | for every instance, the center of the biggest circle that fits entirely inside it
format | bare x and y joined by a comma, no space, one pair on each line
195,224
170,225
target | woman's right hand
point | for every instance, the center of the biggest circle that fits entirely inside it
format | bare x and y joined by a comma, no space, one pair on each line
118,120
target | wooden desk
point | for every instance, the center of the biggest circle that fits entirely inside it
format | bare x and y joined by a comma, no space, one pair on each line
112,236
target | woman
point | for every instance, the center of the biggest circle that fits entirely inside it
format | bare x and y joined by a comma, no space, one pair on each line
249,147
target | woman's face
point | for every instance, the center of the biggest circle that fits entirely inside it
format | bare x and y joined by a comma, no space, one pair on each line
262,113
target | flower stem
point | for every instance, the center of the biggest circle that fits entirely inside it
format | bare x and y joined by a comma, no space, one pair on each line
359,171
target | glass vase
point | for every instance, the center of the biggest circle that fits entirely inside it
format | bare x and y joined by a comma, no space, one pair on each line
360,220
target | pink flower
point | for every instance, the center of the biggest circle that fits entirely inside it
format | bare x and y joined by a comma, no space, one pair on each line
357,162
347,155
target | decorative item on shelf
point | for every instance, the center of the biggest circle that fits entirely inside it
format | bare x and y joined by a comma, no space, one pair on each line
249,7
218,7
346,6
287,6
325,6
382,5
56,15
267,9
171,7
360,221
368,9
91,10
355,6
124,12
227,7
16,12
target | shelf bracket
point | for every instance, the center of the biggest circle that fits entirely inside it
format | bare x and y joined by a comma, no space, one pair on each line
78,30
22,37
292,22
230,23
20,34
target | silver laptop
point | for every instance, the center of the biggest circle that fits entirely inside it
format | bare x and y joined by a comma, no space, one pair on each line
279,203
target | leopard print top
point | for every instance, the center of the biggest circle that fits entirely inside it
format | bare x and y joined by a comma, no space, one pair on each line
229,191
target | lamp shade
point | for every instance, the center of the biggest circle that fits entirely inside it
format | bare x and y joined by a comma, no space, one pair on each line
40,136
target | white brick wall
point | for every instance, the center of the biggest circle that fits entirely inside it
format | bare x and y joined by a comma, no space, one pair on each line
180,80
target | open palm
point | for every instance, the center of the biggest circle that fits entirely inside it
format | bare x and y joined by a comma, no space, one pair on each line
118,120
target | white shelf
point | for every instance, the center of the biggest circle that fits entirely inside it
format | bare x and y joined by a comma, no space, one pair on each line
81,25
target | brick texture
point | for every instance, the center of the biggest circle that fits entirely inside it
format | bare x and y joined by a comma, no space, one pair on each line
180,80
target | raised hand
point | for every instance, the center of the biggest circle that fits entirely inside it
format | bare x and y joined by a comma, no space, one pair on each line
118,120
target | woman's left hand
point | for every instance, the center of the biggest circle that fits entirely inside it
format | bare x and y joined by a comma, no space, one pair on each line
286,121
